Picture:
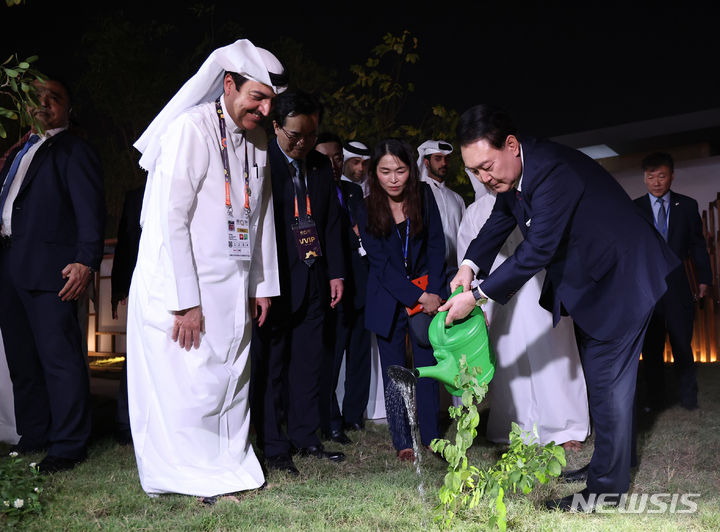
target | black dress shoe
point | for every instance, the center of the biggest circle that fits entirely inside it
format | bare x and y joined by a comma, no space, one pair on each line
354,426
583,501
25,448
282,462
54,464
576,475
318,452
338,436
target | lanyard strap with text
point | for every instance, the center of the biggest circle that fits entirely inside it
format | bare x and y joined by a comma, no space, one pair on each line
407,242
308,209
226,163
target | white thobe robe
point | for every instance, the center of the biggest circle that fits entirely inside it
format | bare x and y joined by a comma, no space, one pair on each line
538,377
8,432
452,208
189,410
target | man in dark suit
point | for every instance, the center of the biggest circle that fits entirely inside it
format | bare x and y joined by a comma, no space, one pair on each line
606,267
676,218
126,252
52,231
346,325
289,349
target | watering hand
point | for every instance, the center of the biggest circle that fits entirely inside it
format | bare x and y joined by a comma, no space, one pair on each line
463,278
458,307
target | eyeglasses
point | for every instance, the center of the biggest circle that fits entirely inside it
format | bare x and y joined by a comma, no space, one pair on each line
295,137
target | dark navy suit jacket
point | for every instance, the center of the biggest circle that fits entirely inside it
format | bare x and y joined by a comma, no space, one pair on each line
59,214
606,265
356,267
388,283
326,214
685,238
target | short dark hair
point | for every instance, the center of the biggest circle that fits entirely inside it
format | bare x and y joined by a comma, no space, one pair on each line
485,122
293,103
238,79
657,159
326,136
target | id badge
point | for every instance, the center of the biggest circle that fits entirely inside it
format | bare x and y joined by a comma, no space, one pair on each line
306,240
238,230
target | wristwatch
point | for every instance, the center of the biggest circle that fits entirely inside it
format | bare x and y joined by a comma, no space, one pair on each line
479,298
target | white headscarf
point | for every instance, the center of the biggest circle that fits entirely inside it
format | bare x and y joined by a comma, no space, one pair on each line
242,57
355,149
428,148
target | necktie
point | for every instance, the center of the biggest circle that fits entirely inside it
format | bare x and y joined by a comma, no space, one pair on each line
661,221
300,191
14,168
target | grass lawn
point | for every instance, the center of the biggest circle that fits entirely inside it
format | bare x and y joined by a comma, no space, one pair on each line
372,490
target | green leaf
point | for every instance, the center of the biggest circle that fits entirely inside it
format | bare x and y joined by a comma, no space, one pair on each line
7,113
3,133
554,468
11,72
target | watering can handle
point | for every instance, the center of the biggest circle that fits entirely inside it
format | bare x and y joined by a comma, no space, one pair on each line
439,321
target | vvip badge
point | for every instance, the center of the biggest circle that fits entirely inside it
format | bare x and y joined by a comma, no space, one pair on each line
239,246
307,241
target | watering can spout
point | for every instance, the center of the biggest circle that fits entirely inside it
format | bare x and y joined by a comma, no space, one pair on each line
465,337
444,371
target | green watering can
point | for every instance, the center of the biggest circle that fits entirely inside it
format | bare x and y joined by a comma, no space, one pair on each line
468,337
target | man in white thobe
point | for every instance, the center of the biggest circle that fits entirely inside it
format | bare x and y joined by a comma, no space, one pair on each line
433,165
355,160
207,264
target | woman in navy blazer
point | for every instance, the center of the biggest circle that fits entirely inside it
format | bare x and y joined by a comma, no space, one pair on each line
401,231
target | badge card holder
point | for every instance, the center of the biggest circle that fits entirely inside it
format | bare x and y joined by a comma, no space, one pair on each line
304,229
238,227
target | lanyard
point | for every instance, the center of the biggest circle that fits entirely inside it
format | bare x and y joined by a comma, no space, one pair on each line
296,186
407,242
226,162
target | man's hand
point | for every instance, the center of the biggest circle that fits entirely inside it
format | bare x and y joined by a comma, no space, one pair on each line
430,303
187,327
464,277
114,300
264,304
458,307
702,290
78,276
336,291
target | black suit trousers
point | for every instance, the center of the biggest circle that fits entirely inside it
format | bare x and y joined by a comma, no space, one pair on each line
674,320
48,368
288,352
352,341
610,368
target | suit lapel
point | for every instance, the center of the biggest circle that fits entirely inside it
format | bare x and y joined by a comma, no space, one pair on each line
674,216
37,161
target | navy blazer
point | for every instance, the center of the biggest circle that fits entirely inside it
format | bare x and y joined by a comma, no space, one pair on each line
388,287
356,266
59,214
685,238
606,265
128,241
325,208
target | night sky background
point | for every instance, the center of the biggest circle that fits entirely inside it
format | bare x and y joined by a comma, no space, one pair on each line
558,70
